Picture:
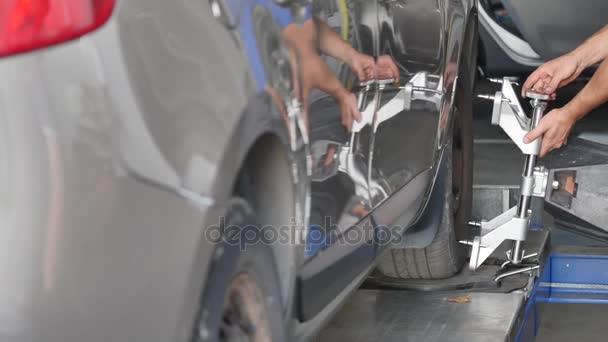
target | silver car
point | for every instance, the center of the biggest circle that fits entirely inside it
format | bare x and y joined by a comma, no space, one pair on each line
218,170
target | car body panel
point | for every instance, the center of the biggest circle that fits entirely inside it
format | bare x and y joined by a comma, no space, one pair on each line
165,48
554,28
89,248
544,30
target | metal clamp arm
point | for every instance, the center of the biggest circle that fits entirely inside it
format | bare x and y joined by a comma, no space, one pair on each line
506,226
508,113
513,224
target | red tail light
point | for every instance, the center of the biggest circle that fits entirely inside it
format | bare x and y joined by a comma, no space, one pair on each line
26,25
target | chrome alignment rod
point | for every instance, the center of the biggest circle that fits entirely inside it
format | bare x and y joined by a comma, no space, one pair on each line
523,208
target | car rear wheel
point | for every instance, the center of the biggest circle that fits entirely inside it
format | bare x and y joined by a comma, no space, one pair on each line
245,316
241,300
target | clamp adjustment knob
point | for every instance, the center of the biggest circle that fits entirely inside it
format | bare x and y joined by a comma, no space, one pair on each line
537,96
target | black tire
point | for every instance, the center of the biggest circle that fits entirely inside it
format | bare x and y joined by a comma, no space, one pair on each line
242,299
445,256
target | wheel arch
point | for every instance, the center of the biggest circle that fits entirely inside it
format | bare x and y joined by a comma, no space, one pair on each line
257,166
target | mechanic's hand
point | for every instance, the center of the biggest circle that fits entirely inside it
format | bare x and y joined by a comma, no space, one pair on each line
350,110
554,128
553,75
362,65
386,68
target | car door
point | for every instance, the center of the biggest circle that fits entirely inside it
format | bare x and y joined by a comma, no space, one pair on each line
338,83
340,193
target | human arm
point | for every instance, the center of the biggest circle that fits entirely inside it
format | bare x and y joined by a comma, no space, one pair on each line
333,45
316,74
564,69
555,127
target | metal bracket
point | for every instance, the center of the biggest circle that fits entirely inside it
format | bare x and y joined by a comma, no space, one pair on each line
541,180
526,269
509,262
535,185
506,226
514,223
422,86
509,115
